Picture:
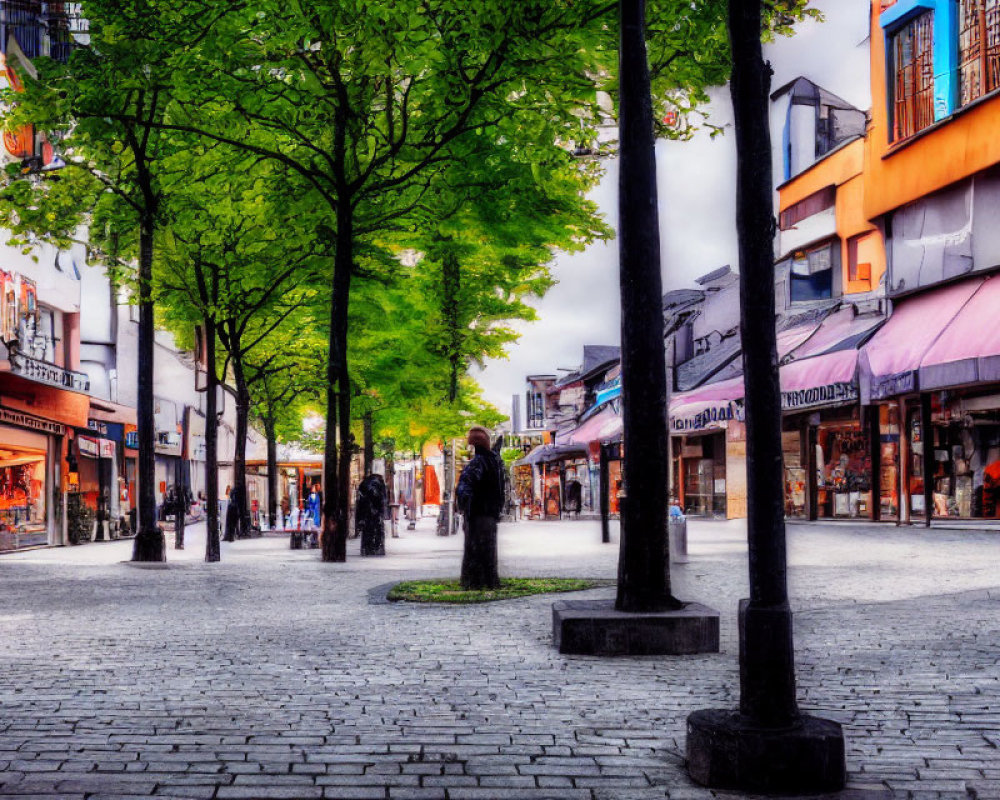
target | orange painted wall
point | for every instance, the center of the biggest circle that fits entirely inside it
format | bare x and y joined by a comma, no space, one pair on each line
844,170
835,169
46,402
960,145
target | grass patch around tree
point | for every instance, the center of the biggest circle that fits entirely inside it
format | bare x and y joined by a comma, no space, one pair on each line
451,591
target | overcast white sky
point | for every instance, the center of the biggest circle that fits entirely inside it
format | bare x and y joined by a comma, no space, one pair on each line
696,186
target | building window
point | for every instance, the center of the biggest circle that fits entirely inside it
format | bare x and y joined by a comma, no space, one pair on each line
811,274
813,204
536,410
978,48
911,48
857,270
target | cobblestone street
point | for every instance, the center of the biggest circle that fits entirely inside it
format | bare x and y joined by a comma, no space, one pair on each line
272,675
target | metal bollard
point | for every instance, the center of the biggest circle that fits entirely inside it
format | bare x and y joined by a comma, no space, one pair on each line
678,538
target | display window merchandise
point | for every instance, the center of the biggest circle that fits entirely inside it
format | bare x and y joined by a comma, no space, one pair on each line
965,437
24,484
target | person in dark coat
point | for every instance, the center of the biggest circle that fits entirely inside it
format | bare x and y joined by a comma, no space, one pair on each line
480,498
369,513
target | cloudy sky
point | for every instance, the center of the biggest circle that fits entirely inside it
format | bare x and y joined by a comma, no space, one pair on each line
696,189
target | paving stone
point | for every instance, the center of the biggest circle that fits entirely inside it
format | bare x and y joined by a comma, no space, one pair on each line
171,683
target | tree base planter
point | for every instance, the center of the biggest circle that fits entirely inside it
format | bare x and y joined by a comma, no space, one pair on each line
728,751
595,627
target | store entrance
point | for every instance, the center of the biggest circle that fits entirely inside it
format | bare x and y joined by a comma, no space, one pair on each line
23,521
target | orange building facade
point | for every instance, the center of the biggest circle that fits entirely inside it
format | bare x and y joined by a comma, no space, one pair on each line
911,207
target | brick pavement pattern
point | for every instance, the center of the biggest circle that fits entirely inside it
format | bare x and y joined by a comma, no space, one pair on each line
271,675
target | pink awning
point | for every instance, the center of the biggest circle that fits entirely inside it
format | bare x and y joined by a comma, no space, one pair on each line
789,339
891,359
598,428
968,350
820,381
839,331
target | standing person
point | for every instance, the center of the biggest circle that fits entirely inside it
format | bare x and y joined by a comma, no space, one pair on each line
315,504
480,497
369,515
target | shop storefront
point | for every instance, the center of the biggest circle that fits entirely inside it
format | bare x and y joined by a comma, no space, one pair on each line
28,492
33,458
932,375
700,473
708,448
828,464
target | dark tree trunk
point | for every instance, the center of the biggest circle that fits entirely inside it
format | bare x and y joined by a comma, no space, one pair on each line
337,462
272,470
331,480
444,517
603,487
180,512
643,563
241,519
212,549
451,284
149,542
369,443
767,671
346,448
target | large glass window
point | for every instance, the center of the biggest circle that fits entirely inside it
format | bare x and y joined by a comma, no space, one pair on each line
965,437
888,417
911,49
978,48
812,274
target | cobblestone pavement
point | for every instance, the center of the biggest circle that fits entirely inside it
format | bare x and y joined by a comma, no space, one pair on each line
271,675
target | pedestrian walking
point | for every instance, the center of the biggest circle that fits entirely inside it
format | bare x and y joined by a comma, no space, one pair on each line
480,497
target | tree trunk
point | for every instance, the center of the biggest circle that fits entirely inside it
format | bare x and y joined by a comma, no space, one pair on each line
346,447
451,284
149,542
444,517
337,462
272,470
212,549
767,671
643,562
369,443
180,512
241,521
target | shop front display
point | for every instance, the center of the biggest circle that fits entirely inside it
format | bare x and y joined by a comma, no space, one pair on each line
965,437
889,454
700,467
844,470
23,488
796,474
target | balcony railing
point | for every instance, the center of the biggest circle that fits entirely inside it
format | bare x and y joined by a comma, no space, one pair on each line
42,28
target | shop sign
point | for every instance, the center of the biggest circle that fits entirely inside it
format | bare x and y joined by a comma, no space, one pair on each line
892,385
27,421
95,448
609,391
97,426
168,443
40,371
713,416
132,437
819,395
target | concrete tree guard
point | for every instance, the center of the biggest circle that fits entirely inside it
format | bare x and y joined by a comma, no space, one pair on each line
645,618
